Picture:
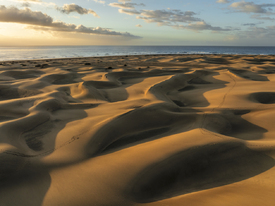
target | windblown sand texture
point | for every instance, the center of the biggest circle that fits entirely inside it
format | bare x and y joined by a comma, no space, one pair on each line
196,130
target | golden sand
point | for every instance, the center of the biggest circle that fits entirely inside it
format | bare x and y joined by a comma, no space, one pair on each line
166,130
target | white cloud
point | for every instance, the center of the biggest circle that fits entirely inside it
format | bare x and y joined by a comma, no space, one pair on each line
69,8
138,25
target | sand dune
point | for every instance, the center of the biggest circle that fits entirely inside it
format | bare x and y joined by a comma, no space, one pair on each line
138,130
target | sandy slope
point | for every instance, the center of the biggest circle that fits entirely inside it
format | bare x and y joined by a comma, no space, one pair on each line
140,130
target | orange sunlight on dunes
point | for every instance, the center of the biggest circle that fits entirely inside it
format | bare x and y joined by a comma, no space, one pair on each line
138,130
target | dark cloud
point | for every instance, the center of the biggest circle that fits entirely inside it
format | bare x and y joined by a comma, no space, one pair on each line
69,8
24,16
249,24
40,21
252,24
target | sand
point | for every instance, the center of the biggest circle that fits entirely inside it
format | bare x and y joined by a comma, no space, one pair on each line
154,130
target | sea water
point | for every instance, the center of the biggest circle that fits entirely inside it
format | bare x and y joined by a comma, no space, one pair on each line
49,52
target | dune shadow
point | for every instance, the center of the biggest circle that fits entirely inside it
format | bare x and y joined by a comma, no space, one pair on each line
8,92
249,75
215,60
263,97
258,61
267,70
136,138
197,169
14,73
230,123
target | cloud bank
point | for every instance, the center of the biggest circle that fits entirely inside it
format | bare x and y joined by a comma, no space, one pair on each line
174,18
40,21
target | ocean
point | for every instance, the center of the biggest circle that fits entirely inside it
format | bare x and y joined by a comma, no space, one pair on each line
49,52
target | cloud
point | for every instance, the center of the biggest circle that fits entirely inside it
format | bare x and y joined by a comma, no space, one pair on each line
259,33
69,8
167,17
250,7
125,5
223,1
39,21
129,12
255,34
24,16
257,16
138,25
200,26
26,4
177,19
173,18
249,24
257,11
63,27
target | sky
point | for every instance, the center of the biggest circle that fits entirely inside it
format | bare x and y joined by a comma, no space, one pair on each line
137,22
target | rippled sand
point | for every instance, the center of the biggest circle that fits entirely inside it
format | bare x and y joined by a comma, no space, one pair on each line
167,130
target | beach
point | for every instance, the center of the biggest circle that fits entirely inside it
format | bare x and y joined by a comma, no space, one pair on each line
152,130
